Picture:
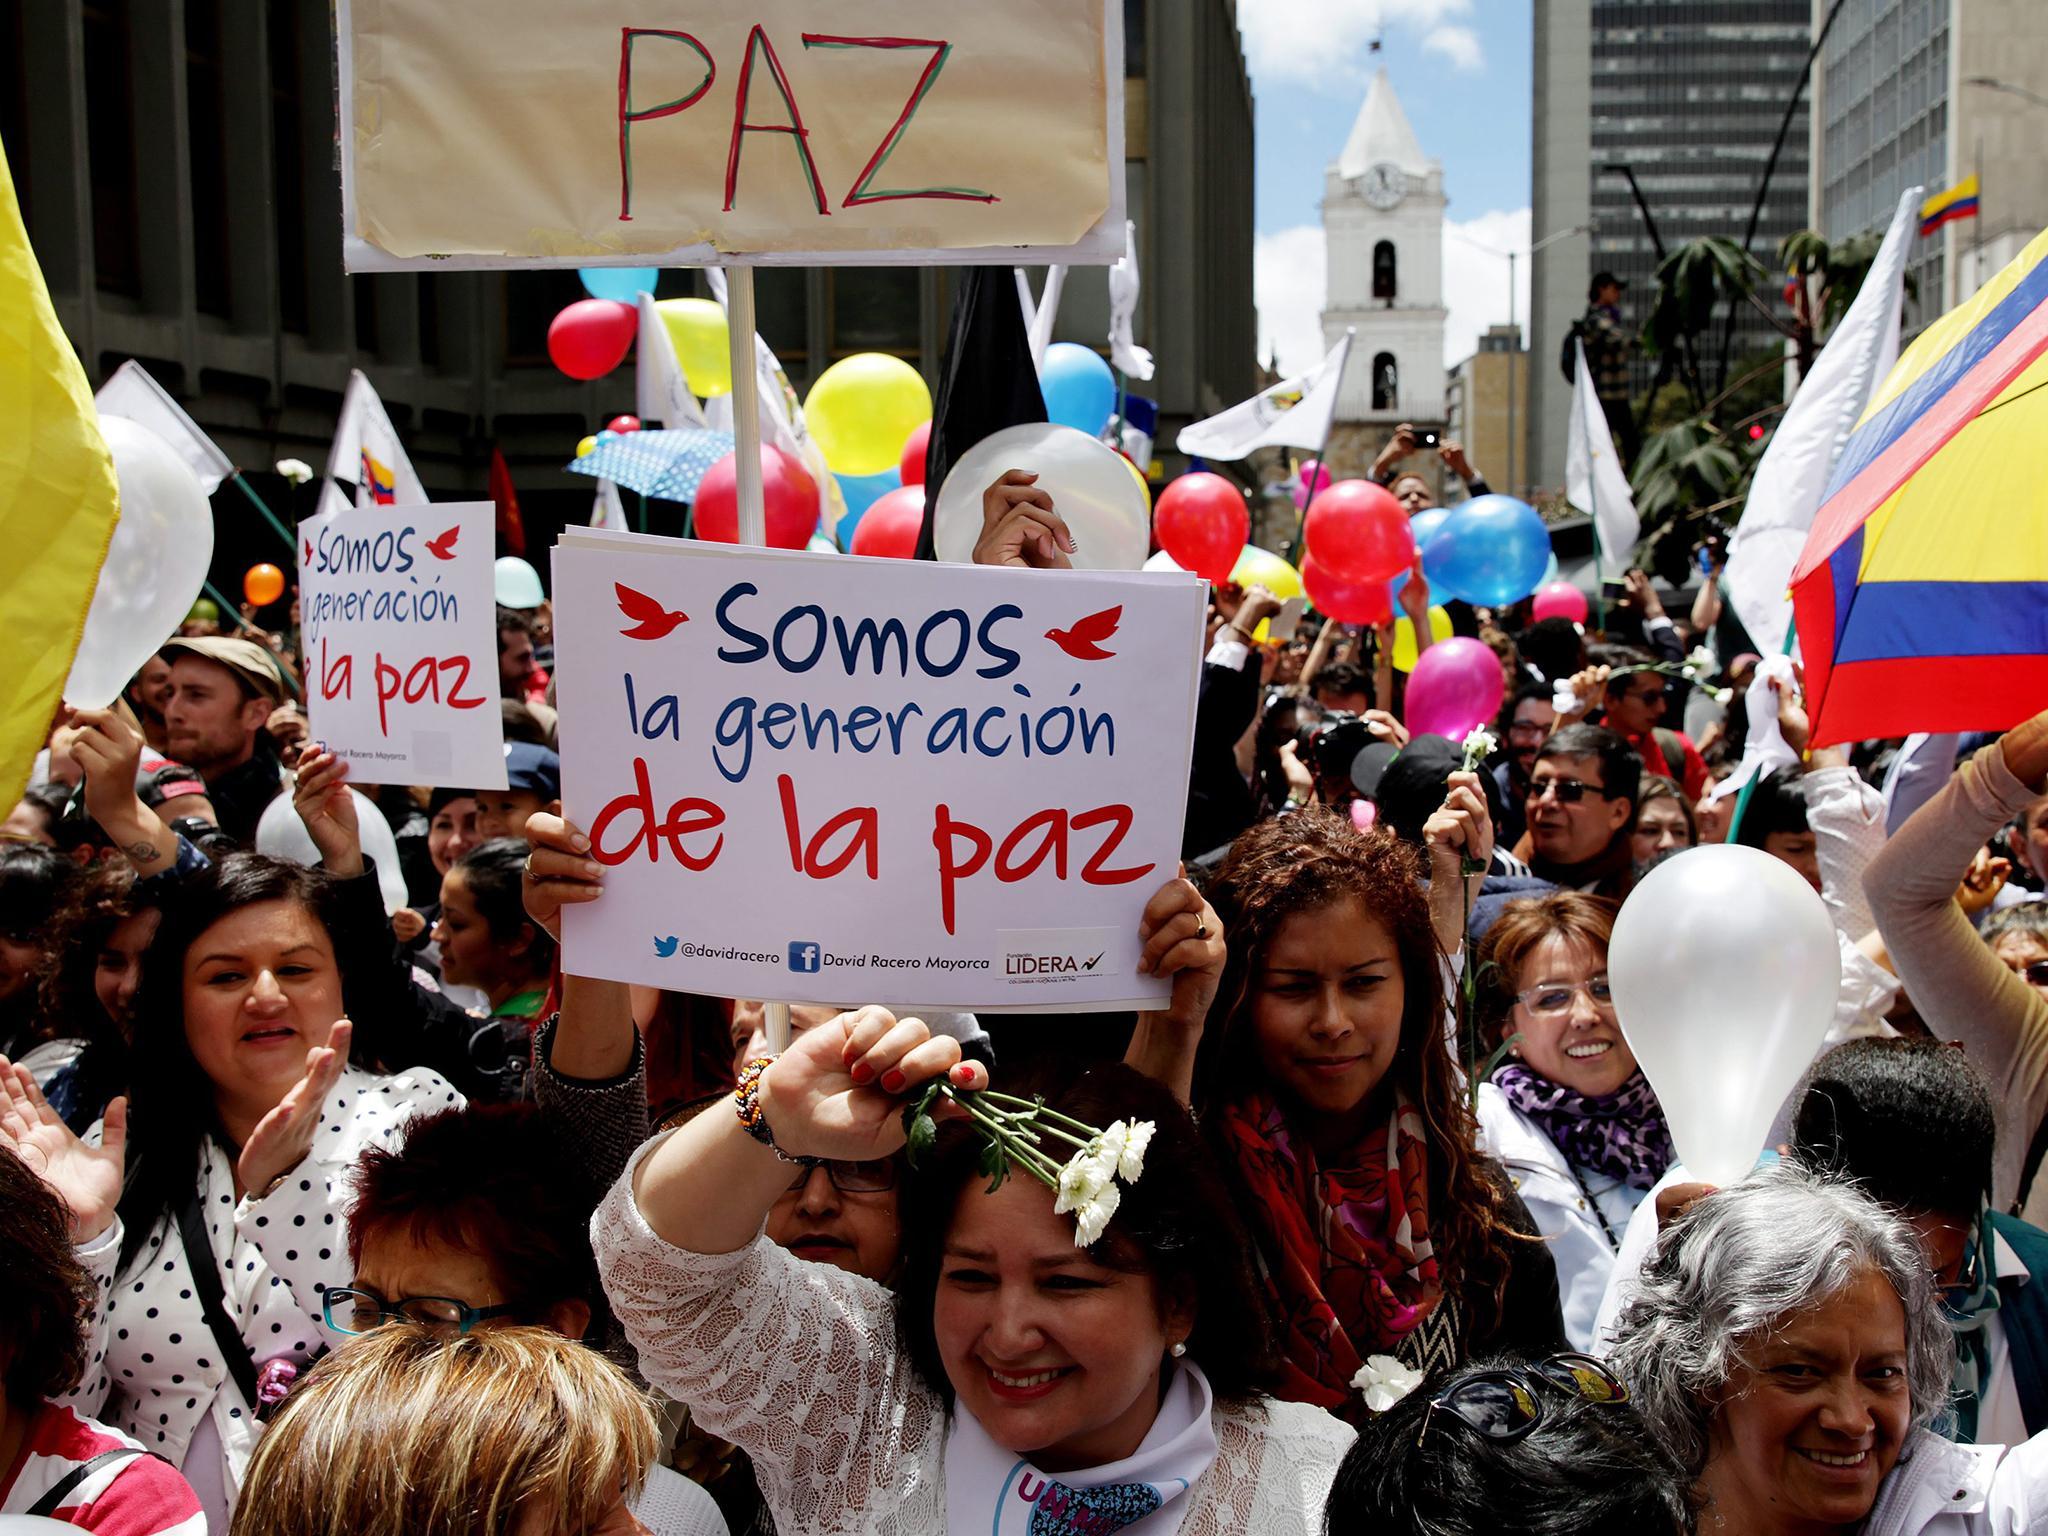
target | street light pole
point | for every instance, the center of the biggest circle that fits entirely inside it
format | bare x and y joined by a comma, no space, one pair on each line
1517,456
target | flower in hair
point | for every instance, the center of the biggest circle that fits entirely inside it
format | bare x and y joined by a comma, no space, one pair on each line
1385,1381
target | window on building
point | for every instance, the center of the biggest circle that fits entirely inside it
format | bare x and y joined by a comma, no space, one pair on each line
287,169
206,125
14,113
875,309
782,314
532,300
1386,383
1383,284
1134,39
110,147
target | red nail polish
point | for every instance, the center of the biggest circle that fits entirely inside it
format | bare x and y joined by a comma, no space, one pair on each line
892,1081
860,1071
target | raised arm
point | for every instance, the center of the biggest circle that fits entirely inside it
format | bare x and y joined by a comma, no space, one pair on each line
109,749
1183,938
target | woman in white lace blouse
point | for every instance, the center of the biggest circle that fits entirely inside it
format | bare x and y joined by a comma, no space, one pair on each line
1020,1382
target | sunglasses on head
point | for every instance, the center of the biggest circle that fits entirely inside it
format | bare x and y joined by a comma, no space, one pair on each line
1566,791
1505,1405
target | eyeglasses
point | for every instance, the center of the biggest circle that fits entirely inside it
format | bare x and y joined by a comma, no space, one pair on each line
1566,791
352,1311
1555,997
2037,972
1504,1405
869,1177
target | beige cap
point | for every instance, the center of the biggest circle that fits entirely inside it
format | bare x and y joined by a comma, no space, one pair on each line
243,657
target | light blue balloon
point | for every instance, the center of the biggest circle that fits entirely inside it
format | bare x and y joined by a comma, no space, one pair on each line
1079,389
623,284
1424,526
1550,572
1491,551
860,493
607,436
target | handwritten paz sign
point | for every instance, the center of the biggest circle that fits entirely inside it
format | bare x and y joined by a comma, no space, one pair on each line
400,632
833,780
535,133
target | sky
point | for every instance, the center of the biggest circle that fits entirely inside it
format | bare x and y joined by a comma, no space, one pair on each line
1461,69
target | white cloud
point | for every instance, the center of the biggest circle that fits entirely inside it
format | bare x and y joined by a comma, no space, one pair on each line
1289,273
1458,44
1322,44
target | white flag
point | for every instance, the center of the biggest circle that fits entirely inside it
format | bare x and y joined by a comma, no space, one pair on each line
332,499
1593,477
1792,478
606,511
1123,308
367,452
1295,413
661,392
1047,315
134,396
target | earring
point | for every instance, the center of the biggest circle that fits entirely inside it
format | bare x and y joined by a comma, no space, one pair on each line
1178,1349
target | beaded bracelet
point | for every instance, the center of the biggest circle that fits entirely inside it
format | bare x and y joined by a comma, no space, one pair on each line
746,1102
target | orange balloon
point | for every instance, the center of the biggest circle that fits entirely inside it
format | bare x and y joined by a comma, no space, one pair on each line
263,584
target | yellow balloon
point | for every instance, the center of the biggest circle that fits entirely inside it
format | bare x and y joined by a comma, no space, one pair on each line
586,444
862,410
702,342
1144,485
1258,567
1405,652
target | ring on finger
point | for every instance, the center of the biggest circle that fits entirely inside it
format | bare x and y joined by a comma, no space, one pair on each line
1201,927
531,873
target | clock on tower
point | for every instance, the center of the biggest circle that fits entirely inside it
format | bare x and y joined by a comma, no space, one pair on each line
1385,185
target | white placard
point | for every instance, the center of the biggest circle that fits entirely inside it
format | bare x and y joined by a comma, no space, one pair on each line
400,631
825,779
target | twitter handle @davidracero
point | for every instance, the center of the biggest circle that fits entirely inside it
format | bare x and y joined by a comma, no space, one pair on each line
685,950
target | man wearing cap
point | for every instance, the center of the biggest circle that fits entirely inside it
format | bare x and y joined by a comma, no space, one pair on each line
1608,345
534,775
222,693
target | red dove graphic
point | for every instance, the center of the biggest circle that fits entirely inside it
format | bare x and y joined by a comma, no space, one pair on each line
443,548
1080,642
309,551
650,620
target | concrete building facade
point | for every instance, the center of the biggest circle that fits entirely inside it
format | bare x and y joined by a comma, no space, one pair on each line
176,165
1927,93
1486,400
1687,94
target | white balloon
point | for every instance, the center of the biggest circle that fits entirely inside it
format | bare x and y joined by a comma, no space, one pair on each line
156,565
1725,969
281,834
34,1525
1091,485
1162,561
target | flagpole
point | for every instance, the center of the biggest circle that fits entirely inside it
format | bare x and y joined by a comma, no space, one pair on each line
1322,449
1593,495
269,516
746,444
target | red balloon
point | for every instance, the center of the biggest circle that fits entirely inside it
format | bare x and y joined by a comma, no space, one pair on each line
591,337
1559,600
913,454
1348,602
1357,531
789,500
1202,522
624,424
891,525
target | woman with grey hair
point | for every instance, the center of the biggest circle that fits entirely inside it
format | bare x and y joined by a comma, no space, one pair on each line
1786,1344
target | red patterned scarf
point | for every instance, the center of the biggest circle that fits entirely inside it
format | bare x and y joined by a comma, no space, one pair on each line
1347,1247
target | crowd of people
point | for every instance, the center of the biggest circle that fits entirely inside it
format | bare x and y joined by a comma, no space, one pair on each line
336,1206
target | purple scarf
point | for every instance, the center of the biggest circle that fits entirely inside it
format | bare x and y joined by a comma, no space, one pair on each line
1622,1135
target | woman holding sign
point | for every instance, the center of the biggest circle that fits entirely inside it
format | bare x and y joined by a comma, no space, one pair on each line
1100,1366
1326,1081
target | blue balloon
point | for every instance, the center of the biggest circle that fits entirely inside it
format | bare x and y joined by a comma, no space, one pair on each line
624,284
1079,389
1491,551
860,493
1423,525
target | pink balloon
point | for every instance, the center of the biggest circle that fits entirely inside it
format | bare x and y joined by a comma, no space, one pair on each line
1456,685
1358,532
890,527
1560,600
914,452
1311,478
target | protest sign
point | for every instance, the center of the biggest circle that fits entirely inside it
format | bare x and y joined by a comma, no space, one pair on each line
401,643
534,133
835,780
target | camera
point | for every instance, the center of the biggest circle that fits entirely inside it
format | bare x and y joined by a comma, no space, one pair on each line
1332,743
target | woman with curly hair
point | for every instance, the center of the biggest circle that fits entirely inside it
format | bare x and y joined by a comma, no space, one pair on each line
1327,1083
98,934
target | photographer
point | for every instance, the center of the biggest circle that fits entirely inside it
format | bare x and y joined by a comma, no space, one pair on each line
1412,490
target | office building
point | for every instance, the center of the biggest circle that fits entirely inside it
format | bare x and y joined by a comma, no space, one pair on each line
1689,95
1486,398
176,165
1926,93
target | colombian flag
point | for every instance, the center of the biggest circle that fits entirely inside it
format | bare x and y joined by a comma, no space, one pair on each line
378,482
58,499
1922,593
1958,202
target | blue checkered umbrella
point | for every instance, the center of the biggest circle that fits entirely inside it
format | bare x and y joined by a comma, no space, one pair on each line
668,464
